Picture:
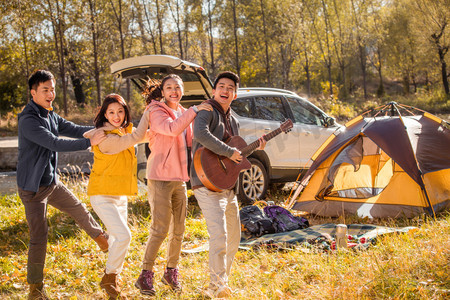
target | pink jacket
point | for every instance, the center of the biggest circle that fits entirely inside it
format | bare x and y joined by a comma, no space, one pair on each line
168,157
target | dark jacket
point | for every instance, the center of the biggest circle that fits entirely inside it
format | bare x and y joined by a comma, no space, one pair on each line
209,130
39,142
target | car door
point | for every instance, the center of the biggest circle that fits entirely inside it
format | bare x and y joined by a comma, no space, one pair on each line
269,113
309,127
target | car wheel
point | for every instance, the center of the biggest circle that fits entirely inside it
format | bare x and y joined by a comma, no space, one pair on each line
253,182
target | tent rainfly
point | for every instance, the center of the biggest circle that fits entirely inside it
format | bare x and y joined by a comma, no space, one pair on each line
379,166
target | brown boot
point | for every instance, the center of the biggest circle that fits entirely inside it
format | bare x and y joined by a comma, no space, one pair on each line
37,292
102,241
109,284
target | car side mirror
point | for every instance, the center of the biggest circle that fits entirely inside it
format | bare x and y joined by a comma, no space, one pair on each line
329,121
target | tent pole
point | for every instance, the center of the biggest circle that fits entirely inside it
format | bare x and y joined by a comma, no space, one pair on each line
429,202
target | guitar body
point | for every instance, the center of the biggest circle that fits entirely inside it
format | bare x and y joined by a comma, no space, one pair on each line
219,173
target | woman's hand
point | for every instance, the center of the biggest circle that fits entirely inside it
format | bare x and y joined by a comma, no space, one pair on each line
204,106
98,137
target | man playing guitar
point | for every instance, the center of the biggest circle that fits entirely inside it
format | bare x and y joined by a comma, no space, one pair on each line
220,209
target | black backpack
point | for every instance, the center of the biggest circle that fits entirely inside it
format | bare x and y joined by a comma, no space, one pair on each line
255,222
283,220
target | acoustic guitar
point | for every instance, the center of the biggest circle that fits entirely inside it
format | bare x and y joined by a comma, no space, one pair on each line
219,173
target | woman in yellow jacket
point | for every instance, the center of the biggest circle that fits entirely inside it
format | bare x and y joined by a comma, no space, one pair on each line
113,178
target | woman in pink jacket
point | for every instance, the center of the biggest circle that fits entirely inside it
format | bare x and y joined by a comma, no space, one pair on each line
170,138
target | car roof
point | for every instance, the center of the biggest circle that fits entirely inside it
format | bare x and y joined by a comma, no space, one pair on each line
265,90
250,92
254,92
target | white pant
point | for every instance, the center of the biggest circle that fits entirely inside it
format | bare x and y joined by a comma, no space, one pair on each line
112,210
221,212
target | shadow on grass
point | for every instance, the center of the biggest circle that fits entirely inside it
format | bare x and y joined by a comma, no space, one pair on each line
15,237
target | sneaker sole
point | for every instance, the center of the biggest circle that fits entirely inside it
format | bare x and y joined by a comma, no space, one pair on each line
145,292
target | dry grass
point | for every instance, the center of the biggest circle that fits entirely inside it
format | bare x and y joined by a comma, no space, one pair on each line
401,266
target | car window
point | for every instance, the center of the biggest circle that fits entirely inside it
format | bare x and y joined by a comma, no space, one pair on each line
270,108
243,107
304,112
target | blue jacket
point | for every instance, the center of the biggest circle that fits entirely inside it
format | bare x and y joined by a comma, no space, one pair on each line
39,142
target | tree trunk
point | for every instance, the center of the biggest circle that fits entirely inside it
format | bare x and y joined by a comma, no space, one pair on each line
330,78
152,35
176,16
266,44
236,41
327,57
308,75
25,52
406,84
77,83
211,39
343,93
186,33
159,18
362,60
444,74
283,66
442,51
58,33
78,90
94,32
339,49
380,90
118,15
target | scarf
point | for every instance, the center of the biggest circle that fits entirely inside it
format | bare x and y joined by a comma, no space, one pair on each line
226,115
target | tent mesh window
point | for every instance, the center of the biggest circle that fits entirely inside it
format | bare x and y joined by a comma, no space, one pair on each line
361,170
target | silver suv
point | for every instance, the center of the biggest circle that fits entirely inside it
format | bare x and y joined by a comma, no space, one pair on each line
259,111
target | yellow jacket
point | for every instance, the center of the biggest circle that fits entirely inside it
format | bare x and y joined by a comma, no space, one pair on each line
114,174
115,165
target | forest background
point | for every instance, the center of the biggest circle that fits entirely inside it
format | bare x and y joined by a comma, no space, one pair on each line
346,56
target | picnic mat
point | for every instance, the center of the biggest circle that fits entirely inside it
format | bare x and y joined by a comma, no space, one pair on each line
362,235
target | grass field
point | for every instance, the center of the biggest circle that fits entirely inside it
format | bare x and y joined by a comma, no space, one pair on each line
401,266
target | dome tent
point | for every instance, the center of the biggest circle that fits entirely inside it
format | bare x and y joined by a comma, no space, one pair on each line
384,165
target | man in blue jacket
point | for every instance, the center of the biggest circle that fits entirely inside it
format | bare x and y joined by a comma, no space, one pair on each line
37,181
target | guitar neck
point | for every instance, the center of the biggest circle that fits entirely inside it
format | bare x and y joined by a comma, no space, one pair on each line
246,151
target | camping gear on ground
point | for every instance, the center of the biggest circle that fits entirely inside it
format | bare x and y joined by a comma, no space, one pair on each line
317,237
254,221
360,236
341,236
380,164
283,220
